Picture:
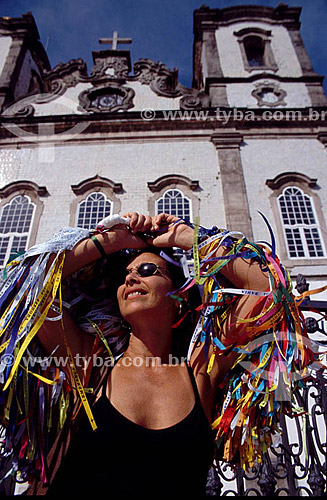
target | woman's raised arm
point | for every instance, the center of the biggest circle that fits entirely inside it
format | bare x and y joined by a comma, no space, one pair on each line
239,273
56,335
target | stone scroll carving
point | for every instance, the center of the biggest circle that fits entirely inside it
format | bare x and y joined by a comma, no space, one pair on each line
108,90
112,71
164,82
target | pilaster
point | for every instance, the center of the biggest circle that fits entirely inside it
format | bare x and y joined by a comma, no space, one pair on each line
232,179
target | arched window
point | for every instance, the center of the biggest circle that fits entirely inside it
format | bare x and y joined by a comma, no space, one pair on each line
174,202
255,50
15,225
91,210
301,229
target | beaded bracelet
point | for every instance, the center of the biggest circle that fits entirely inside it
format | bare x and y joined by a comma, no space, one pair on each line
99,246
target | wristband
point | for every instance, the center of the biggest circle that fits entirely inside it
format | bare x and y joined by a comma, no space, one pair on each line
99,246
111,221
204,233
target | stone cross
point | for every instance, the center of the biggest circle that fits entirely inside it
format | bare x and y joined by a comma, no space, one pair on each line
115,40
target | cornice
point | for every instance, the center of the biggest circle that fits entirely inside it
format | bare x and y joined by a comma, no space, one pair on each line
289,178
322,136
227,139
169,180
95,182
25,186
313,78
17,26
102,126
206,18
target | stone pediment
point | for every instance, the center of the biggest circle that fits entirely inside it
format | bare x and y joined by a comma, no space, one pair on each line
110,87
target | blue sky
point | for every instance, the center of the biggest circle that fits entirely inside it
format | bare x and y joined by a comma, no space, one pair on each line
162,30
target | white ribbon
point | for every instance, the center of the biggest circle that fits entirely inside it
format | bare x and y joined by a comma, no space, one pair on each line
113,220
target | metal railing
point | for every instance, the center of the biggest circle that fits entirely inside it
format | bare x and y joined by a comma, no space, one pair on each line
297,467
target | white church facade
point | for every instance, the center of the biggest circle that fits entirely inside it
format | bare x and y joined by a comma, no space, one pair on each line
249,137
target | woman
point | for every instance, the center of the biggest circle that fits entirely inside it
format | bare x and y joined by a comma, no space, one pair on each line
143,387
152,416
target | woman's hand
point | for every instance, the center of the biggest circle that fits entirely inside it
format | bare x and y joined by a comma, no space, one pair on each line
119,237
139,222
162,230
170,231
133,234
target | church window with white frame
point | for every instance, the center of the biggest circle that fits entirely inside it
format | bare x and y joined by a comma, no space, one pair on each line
91,210
301,229
16,221
256,49
174,202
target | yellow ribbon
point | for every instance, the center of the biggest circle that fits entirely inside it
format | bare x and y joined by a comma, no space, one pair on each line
196,252
78,383
51,285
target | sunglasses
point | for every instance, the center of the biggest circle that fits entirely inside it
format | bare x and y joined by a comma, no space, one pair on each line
146,269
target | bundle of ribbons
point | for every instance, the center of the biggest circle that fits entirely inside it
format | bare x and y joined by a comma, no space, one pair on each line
36,394
274,353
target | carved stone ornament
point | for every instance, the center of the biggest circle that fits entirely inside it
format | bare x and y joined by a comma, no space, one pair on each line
68,74
269,94
24,107
107,64
109,98
109,75
106,68
164,82
195,100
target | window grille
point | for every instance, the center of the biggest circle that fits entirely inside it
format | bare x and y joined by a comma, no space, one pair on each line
300,224
174,202
91,210
15,225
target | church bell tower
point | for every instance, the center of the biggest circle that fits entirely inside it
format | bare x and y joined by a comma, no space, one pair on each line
252,56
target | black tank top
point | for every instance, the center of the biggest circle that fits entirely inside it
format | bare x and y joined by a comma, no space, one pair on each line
122,457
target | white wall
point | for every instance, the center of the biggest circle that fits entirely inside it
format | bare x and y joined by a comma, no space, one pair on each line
240,94
264,158
5,43
230,53
133,163
68,103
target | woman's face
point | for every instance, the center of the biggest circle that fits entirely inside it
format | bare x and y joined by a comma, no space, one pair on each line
138,294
